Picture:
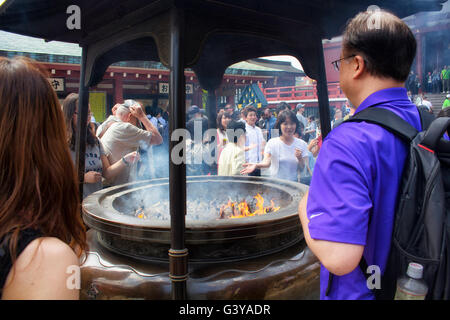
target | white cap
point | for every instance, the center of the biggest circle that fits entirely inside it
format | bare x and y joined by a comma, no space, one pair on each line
415,270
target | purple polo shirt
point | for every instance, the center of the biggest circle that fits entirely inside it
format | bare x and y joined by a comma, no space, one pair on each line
357,175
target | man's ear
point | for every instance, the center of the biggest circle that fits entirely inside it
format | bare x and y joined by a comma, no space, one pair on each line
359,66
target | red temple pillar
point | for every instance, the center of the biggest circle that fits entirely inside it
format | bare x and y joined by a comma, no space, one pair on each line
419,59
118,90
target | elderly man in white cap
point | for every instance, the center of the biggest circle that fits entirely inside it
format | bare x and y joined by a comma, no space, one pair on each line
109,121
125,135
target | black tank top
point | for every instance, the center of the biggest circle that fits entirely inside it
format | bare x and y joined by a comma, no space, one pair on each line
25,238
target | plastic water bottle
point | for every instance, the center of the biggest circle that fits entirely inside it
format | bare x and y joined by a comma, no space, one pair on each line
412,286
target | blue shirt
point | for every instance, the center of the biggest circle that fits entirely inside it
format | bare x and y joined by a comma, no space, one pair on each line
357,175
269,125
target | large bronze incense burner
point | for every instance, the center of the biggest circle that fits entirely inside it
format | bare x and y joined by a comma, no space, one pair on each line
260,256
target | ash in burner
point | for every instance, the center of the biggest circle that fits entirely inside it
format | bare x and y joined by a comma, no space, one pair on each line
209,210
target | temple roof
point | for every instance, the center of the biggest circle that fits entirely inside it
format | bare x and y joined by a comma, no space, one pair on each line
264,65
20,43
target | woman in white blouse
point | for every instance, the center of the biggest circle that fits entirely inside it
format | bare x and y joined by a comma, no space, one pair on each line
284,154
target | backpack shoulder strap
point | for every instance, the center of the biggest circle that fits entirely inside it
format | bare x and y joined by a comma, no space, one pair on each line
426,118
388,120
396,125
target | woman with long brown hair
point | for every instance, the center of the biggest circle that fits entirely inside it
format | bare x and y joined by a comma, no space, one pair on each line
42,235
96,163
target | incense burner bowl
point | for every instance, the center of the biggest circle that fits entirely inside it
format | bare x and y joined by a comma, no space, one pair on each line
228,258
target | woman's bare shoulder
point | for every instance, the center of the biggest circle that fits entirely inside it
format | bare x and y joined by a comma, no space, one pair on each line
43,271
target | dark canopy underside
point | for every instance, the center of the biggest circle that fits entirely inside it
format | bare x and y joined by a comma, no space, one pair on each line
47,19
218,32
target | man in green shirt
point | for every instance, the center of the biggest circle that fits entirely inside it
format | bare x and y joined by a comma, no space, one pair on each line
445,76
446,102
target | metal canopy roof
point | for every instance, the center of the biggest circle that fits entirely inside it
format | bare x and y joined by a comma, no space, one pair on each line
47,19
230,30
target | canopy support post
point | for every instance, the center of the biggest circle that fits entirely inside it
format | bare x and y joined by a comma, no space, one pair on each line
178,254
80,139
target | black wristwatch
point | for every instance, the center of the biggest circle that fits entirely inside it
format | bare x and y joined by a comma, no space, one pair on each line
125,161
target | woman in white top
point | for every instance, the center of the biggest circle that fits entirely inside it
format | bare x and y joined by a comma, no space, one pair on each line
285,154
233,157
222,122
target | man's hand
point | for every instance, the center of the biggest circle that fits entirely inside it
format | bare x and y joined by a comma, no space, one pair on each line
250,147
136,111
132,157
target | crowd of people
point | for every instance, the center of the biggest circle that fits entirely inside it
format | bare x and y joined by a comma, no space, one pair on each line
125,147
436,81
278,142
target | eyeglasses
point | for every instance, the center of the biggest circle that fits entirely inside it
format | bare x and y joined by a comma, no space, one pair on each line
336,64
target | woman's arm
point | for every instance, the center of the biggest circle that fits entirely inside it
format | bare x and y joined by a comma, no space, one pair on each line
308,168
313,146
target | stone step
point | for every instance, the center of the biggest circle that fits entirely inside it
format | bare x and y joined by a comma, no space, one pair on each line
436,99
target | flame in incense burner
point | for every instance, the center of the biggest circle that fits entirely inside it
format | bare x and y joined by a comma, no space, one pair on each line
242,209
231,210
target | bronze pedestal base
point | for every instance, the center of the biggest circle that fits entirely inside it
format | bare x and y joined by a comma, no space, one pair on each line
290,274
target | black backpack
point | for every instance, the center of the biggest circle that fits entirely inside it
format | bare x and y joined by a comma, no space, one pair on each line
421,230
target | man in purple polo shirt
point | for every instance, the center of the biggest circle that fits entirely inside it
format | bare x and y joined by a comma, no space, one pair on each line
359,167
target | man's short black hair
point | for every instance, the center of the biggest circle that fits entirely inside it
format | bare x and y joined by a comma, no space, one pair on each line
154,111
283,106
385,42
248,109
